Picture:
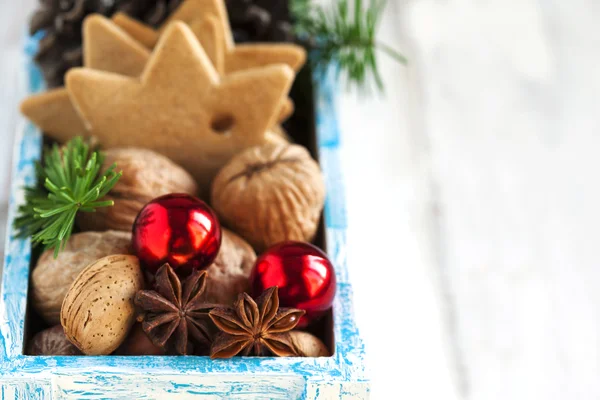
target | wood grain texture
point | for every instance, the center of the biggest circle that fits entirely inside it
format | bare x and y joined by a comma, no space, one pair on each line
12,61
510,97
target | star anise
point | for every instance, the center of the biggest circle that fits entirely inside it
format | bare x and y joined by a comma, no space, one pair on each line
255,327
172,315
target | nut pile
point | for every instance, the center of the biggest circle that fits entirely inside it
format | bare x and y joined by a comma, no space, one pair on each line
159,272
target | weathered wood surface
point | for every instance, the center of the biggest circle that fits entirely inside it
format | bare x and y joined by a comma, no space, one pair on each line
482,162
510,91
12,89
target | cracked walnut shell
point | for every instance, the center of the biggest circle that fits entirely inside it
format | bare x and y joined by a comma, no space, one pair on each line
270,194
229,274
146,175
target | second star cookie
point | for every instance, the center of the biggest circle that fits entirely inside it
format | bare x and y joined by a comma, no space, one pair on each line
180,107
209,21
106,48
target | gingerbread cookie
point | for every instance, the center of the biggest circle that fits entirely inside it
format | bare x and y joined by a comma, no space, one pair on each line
195,13
138,30
106,48
216,39
207,16
180,107
209,21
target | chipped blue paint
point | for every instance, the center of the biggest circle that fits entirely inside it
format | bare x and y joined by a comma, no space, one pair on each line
336,240
328,128
335,205
341,376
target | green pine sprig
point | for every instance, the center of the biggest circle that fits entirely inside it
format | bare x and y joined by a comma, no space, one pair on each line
344,37
69,181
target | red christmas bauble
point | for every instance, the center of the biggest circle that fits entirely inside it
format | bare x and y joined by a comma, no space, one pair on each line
304,275
179,229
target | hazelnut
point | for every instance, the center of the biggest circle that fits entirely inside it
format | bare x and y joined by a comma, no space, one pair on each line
269,194
229,274
98,310
52,342
146,175
308,345
52,277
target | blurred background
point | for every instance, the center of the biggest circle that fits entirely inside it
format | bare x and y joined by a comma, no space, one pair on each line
472,197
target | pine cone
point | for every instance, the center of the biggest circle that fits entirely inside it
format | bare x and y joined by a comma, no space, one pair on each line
260,20
61,20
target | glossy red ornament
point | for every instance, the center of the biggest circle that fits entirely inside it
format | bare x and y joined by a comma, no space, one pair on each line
304,275
179,229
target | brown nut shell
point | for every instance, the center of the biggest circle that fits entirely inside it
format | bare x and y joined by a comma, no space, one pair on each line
308,345
269,194
278,134
273,137
146,175
229,274
52,342
98,311
52,277
139,344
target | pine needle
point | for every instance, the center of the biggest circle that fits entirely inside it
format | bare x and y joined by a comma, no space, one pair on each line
344,37
69,181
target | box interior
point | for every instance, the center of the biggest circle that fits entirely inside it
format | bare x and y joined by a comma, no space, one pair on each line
301,127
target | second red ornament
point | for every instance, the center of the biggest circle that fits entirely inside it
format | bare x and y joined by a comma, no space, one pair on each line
304,275
178,229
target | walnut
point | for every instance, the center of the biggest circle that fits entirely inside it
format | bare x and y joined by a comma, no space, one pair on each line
98,310
52,277
229,274
52,342
146,175
275,138
278,134
270,194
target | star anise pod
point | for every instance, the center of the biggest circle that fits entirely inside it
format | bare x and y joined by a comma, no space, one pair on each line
174,314
255,327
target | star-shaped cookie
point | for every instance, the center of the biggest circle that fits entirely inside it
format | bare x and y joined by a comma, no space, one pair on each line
141,32
214,39
106,48
236,57
209,21
180,107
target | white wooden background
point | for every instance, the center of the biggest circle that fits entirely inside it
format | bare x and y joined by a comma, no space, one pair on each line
473,198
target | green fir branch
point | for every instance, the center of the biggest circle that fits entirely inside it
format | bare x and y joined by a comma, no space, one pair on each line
69,181
344,37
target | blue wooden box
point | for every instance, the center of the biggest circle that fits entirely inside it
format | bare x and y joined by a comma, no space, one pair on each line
27,377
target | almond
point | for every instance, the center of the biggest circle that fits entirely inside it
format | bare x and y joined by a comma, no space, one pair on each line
52,277
98,310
